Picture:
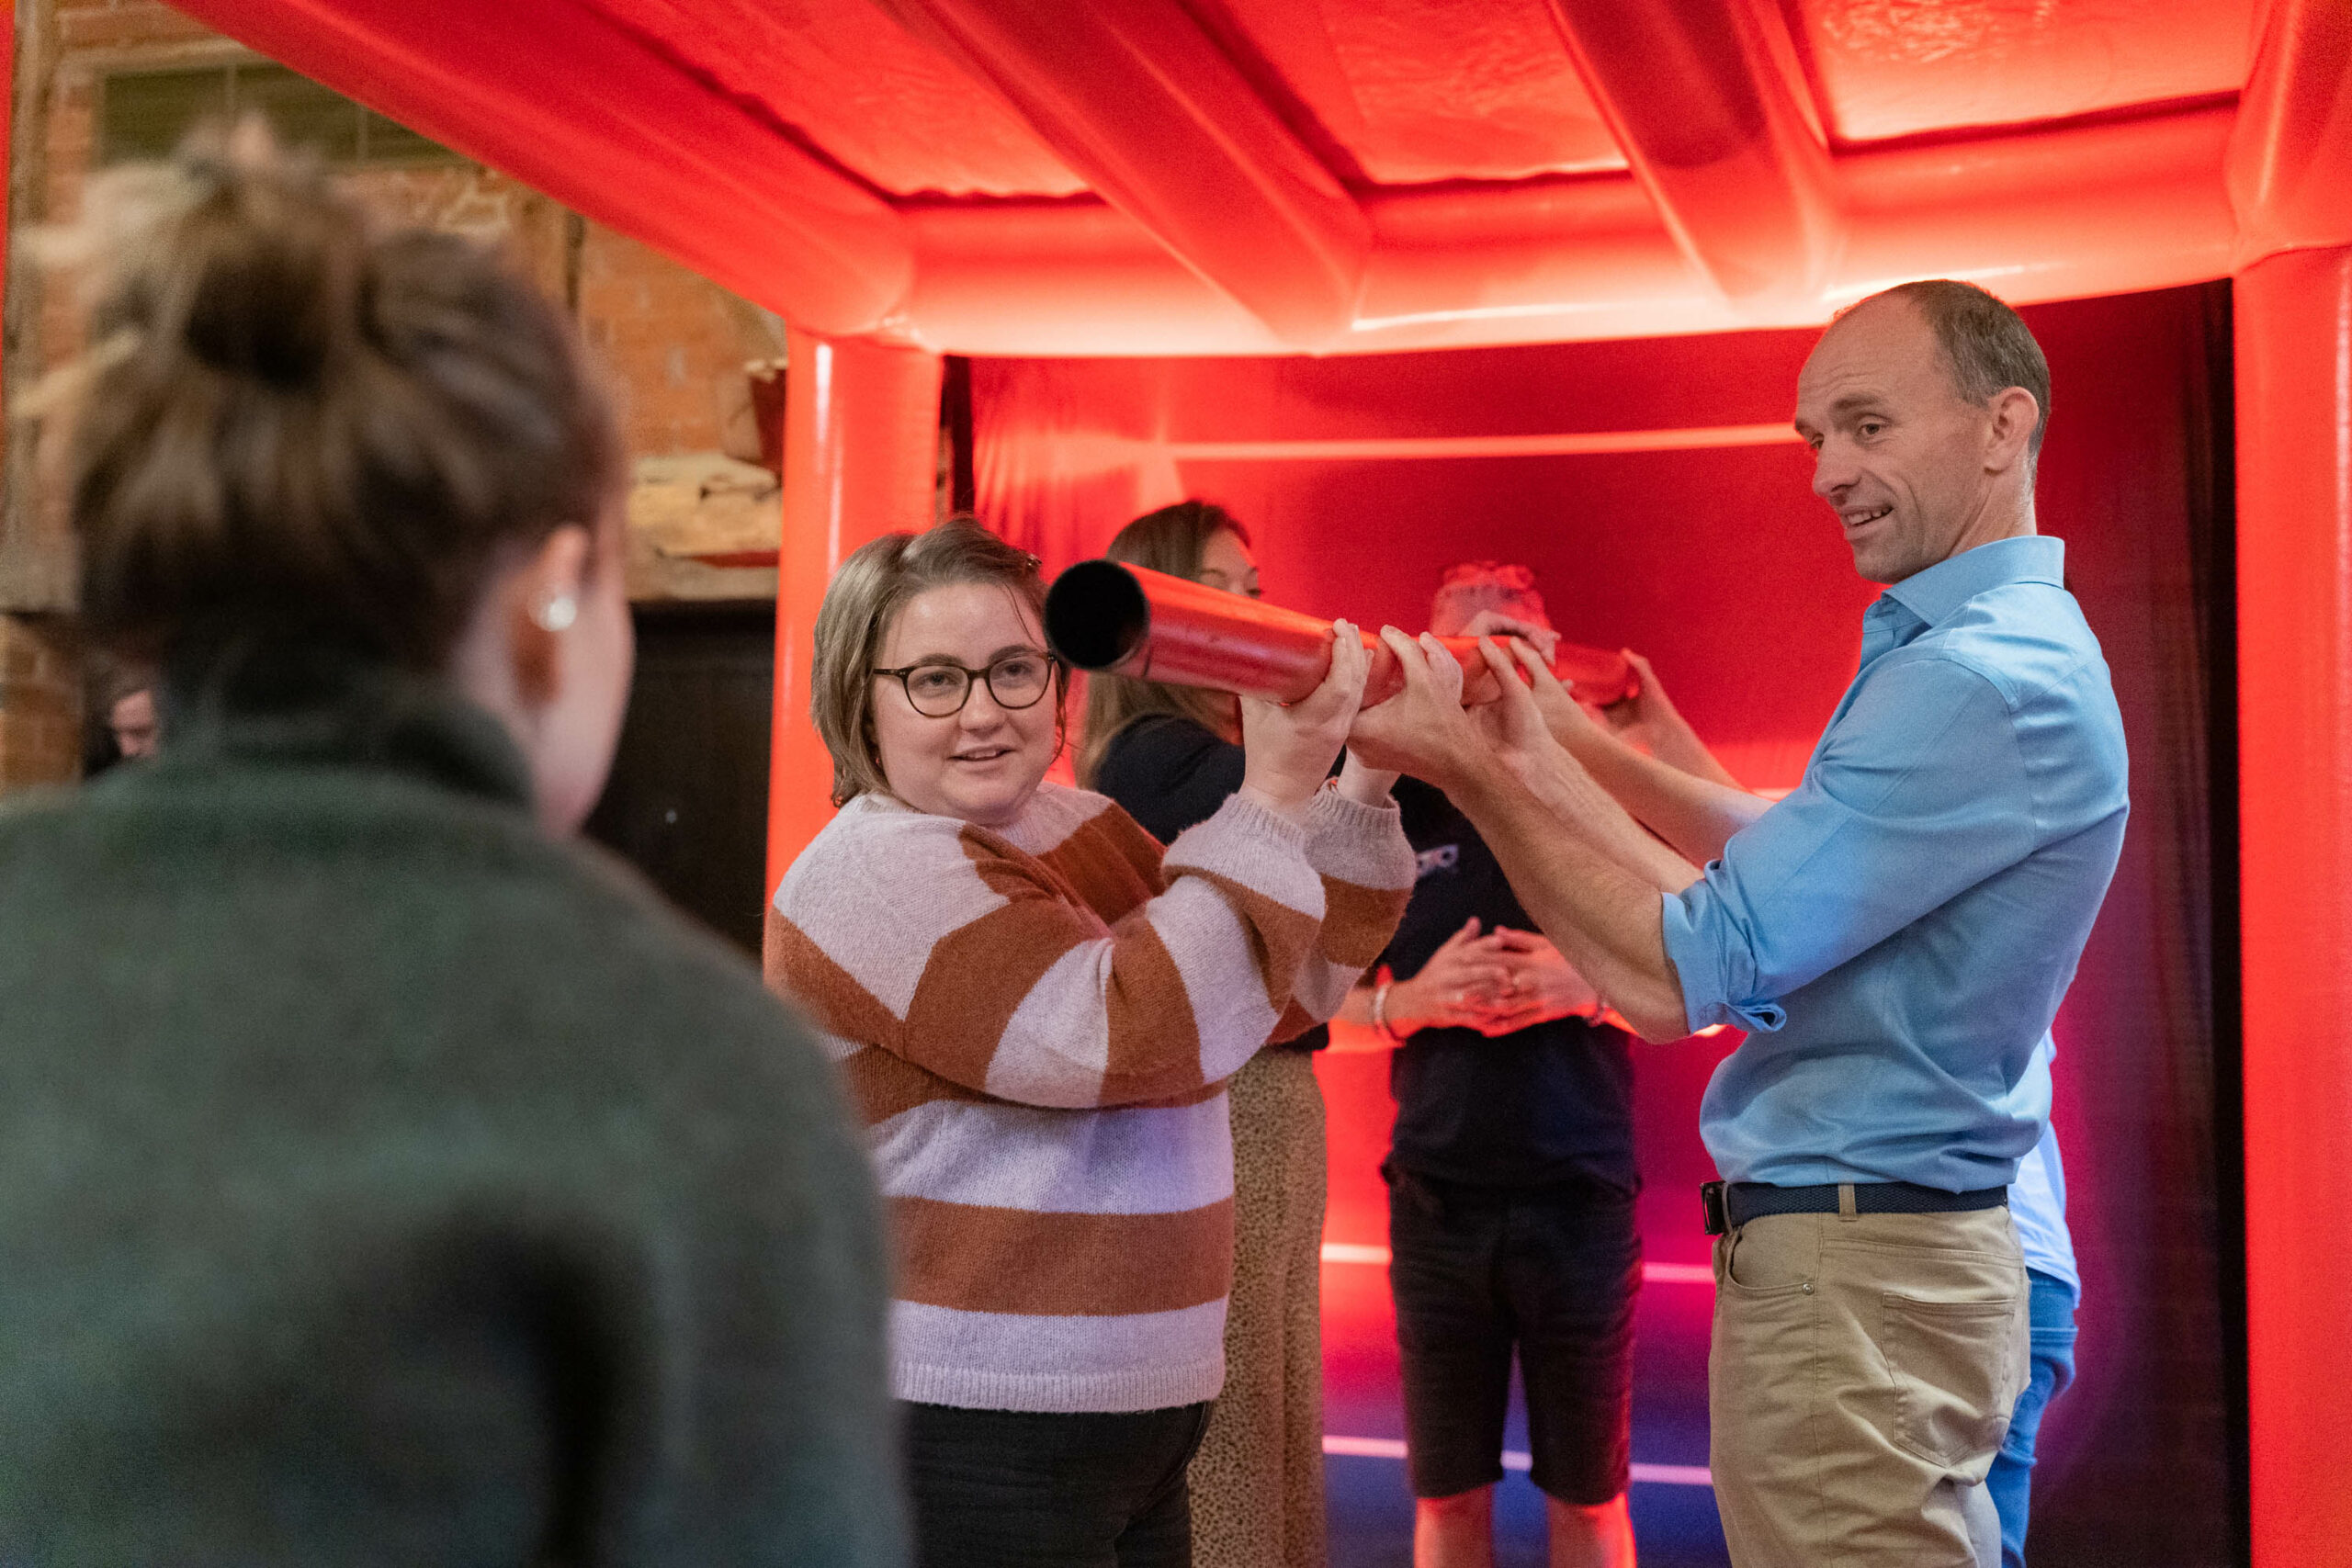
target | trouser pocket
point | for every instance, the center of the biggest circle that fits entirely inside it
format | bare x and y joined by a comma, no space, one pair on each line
1957,1367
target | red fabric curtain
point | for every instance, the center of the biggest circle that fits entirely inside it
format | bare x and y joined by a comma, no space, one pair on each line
1064,455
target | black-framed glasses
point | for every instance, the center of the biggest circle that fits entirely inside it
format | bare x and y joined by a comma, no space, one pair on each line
938,688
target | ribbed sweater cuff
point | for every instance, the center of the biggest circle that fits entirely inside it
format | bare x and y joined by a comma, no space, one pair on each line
1332,812
1242,816
1363,844
1255,848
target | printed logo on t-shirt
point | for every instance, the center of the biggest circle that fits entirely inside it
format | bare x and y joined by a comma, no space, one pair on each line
1442,858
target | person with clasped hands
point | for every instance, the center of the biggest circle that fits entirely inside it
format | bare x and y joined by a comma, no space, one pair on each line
1511,1174
1896,935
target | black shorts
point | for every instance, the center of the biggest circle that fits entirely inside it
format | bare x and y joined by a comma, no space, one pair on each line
1551,1271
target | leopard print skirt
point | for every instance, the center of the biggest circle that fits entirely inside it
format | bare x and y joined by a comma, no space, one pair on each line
1256,1482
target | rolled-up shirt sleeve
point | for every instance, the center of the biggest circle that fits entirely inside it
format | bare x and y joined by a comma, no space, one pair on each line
1918,792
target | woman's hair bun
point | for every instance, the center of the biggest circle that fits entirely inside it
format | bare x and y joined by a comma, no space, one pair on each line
235,253
271,277
289,425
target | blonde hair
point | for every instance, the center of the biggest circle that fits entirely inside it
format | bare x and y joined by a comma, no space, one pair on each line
1173,540
861,604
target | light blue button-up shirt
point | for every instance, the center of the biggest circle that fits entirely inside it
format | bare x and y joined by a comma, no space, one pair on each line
1897,933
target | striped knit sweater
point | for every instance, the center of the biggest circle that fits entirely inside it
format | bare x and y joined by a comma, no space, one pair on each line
1037,1021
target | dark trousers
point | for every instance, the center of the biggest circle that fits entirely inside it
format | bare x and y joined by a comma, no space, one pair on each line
1022,1489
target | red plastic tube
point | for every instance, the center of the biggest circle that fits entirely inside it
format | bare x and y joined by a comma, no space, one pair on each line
1101,615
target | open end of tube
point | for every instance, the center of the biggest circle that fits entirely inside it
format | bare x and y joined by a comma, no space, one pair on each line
1096,616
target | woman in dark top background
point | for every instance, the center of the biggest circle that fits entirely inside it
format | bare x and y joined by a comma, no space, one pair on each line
1170,755
1175,752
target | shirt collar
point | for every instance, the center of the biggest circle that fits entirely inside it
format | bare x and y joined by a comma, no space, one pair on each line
1934,594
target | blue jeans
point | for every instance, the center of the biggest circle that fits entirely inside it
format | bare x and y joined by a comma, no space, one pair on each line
2011,1480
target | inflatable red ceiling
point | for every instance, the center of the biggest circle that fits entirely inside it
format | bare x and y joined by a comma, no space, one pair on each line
1150,177
1222,176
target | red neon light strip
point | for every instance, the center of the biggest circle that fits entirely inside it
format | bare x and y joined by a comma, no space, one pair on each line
1394,1448
1652,1274
1555,444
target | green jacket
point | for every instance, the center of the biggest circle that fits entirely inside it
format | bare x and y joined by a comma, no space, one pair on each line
383,1183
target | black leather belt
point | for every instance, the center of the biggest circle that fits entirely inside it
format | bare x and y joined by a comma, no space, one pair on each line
1729,1205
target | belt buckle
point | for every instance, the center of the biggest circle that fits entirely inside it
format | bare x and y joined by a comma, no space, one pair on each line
1712,1208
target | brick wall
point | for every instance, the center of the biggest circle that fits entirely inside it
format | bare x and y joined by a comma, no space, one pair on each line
677,342
672,343
40,702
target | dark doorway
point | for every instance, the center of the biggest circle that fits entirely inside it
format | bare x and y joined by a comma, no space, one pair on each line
688,797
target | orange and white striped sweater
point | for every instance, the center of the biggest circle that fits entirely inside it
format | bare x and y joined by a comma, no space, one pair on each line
1038,1021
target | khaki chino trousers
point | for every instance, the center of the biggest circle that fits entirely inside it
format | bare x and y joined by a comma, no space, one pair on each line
1859,1384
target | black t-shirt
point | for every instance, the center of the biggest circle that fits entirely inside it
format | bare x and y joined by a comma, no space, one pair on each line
1551,1104
1169,773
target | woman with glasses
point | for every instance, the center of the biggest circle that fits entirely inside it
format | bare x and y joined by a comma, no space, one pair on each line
1037,1008
1172,756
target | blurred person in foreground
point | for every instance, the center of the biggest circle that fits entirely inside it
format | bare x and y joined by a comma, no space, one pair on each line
383,1176
1172,756
1039,1008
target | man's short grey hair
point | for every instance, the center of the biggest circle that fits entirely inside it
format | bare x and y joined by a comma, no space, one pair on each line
1472,586
1987,345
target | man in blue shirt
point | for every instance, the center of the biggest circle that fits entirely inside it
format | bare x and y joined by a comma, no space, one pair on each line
1895,935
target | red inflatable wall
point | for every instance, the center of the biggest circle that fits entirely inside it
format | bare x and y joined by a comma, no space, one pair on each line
1716,561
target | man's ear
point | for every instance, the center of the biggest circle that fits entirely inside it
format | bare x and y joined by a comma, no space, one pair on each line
543,601
2009,437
